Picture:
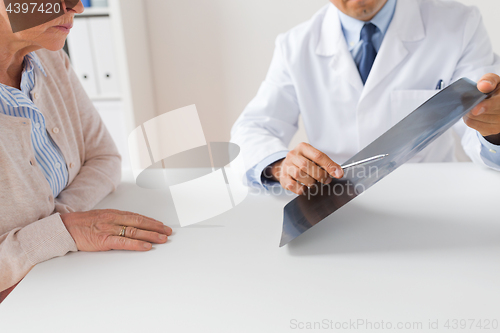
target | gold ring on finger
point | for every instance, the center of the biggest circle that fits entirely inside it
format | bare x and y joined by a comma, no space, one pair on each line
122,232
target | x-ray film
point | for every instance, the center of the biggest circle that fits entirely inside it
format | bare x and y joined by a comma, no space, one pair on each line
402,142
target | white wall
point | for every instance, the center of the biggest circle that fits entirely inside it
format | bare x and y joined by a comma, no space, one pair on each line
216,53
490,9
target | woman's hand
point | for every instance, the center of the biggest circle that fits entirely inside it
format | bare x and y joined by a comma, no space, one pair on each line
99,230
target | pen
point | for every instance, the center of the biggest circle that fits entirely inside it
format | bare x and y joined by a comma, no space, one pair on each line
365,161
440,85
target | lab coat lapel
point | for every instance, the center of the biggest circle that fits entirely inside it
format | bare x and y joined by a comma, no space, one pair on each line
332,44
406,26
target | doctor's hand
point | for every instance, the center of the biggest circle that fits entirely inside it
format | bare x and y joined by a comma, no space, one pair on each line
104,230
304,166
485,118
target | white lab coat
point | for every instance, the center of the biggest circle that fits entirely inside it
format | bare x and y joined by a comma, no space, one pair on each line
313,75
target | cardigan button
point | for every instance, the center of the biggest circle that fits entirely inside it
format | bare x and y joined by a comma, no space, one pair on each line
55,130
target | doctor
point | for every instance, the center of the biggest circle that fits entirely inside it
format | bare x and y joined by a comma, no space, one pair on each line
354,70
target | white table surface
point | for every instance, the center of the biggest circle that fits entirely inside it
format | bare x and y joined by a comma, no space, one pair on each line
422,245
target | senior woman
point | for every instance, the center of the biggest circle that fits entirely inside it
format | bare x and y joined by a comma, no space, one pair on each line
57,160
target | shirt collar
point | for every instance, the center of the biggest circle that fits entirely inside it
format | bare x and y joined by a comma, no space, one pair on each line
13,96
352,27
32,59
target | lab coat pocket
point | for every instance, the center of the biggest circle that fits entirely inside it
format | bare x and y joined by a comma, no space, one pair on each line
404,102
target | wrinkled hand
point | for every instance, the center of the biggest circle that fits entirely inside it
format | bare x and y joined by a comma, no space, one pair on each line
98,230
485,118
305,166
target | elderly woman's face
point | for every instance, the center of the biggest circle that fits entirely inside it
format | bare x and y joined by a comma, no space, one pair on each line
50,35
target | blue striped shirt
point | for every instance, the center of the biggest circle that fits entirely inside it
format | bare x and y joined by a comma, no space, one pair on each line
18,103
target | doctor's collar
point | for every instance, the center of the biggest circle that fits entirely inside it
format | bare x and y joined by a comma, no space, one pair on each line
352,27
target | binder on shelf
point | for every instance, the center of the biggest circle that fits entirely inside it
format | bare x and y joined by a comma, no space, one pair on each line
104,54
80,50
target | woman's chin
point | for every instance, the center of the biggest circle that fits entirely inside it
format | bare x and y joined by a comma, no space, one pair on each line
54,46
53,39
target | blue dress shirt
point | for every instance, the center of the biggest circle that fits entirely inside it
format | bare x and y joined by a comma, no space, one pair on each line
489,152
351,28
18,103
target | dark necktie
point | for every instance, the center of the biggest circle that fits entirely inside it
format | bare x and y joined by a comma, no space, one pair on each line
368,51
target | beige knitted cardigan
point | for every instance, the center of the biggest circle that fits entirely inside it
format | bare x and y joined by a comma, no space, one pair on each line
31,230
